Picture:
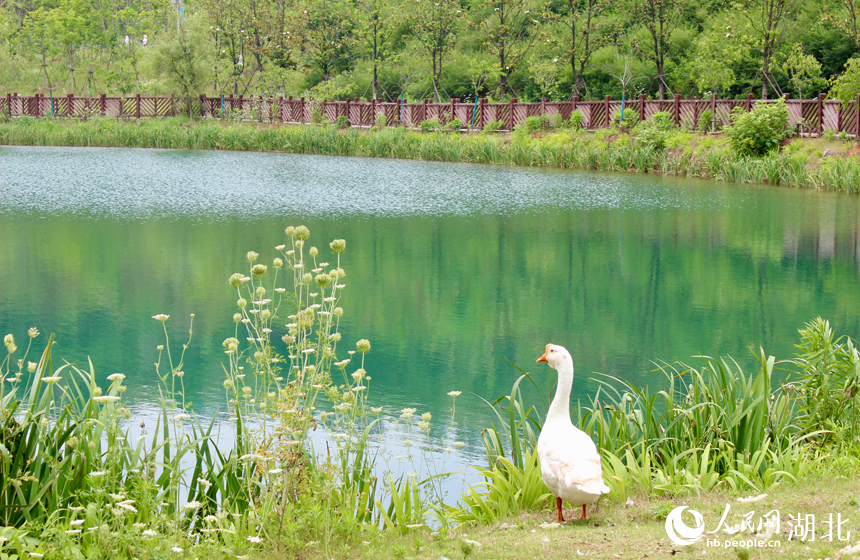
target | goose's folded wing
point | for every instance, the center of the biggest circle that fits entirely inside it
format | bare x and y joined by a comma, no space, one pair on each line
574,463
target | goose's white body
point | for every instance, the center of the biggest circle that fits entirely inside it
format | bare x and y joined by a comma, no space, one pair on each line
569,460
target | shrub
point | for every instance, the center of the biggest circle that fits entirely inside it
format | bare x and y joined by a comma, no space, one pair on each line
531,125
705,121
493,126
631,118
342,122
554,121
381,121
846,86
430,125
577,120
759,131
316,113
455,124
654,132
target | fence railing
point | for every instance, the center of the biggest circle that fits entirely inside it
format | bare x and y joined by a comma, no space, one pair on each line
816,115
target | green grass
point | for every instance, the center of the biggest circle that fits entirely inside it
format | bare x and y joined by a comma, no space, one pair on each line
686,155
618,530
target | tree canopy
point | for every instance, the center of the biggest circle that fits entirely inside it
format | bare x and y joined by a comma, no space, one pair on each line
386,49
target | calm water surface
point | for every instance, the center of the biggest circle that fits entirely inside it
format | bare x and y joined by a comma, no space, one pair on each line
453,270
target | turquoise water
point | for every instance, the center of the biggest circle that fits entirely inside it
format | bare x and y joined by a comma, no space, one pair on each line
454,270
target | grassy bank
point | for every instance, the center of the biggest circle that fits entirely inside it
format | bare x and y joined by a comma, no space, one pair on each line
635,530
824,163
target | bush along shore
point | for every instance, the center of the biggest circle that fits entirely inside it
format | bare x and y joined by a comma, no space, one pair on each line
80,481
759,147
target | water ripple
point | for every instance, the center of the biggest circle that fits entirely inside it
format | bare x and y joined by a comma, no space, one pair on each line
133,184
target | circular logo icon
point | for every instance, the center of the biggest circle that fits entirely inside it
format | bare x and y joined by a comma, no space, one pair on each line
679,532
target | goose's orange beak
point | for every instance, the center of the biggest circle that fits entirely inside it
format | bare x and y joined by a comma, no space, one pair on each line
543,357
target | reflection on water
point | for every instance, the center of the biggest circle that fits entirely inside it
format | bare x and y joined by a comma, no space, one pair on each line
453,270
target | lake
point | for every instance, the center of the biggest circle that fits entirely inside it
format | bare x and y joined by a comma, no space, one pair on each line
454,271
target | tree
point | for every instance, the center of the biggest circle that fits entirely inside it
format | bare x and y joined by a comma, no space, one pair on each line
621,68
182,58
801,69
482,73
435,25
512,28
847,21
376,28
717,52
768,20
846,86
584,36
326,33
36,31
660,18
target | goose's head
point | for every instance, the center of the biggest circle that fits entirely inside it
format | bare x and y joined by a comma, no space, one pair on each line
556,356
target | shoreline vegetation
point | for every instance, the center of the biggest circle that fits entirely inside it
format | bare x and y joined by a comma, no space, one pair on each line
78,483
829,163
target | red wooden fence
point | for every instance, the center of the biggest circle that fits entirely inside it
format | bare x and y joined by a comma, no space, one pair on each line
814,115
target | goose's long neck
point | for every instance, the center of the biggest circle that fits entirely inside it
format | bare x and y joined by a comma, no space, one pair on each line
560,407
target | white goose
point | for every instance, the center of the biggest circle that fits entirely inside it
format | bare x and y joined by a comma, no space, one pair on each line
569,460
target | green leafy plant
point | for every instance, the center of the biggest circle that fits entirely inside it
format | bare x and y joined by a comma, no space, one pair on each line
576,120
706,123
761,130
494,126
829,382
430,125
654,132
342,122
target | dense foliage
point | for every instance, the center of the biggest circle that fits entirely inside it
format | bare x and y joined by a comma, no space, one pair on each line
421,48
759,131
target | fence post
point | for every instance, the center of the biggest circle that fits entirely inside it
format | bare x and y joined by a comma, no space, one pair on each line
642,107
280,107
821,97
202,105
543,106
453,102
70,110
575,101
302,110
748,103
424,111
512,103
372,111
606,104
137,106
9,103
103,102
677,109
347,108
